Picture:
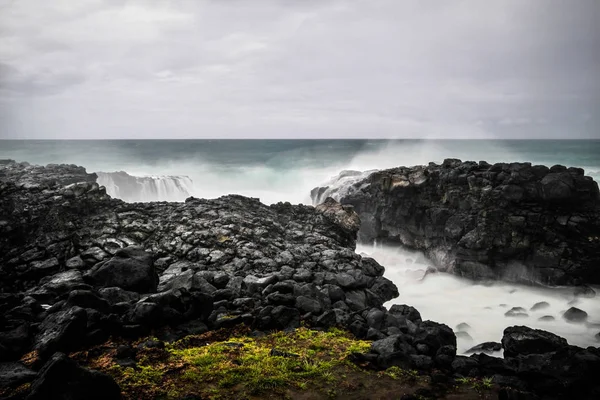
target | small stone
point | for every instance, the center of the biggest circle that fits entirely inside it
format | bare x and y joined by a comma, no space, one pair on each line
539,306
518,312
486,347
463,326
546,318
574,314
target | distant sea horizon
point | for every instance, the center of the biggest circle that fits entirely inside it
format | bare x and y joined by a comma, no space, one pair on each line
286,169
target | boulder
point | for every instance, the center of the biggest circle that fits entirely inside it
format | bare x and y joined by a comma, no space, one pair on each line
434,335
486,347
61,331
574,314
13,374
522,340
62,378
131,269
514,221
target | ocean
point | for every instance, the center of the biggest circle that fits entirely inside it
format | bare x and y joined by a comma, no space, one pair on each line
282,170
286,170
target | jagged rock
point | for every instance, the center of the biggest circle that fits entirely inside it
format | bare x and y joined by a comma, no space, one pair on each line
116,295
409,312
131,269
480,220
13,374
62,378
521,340
434,335
574,314
61,331
307,304
584,291
486,347
15,340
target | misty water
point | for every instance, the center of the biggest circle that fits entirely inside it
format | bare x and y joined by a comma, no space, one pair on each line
287,170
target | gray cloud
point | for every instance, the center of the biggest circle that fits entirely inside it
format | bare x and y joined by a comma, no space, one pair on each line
269,68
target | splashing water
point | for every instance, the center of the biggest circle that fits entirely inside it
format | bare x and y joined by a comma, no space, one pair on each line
482,306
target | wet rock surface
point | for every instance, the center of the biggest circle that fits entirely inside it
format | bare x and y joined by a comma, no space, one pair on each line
517,221
77,267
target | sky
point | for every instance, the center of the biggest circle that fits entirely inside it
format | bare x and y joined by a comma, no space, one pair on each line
116,69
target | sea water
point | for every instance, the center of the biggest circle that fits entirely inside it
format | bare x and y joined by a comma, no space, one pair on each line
286,170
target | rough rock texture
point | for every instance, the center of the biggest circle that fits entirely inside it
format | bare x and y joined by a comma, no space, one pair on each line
512,221
77,266
62,378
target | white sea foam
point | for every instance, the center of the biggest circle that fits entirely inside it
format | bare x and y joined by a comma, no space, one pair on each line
453,300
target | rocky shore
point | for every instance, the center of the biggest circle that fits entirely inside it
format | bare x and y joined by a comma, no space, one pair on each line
516,222
78,268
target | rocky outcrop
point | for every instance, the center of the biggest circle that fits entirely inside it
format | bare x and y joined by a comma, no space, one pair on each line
77,266
513,221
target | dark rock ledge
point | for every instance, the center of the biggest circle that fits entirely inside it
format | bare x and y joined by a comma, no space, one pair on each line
77,267
515,221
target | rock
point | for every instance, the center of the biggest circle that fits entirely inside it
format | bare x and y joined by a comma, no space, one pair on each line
13,374
409,312
518,312
574,314
308,305
116,295
539,306
521,340
342,215
546,318
61,331
536,217
15,341
463,326
486,347
131,269
87,299
584,291
62,378
384,288
434,336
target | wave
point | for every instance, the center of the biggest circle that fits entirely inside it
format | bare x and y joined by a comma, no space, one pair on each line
280,171
131,188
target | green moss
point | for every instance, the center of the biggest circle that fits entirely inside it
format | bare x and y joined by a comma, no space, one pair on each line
399,373
248,362
478,384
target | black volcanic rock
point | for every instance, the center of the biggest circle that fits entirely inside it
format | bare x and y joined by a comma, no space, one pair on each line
574,314
13,374
93,266
512,221
521,340
486,347
62,378
131,269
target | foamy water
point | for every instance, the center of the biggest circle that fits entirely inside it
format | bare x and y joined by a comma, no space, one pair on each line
453,300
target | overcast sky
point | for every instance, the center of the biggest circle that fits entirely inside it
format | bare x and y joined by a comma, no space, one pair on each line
310,68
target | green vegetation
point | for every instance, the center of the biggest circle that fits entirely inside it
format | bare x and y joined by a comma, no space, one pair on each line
247,365
234,364
478,384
